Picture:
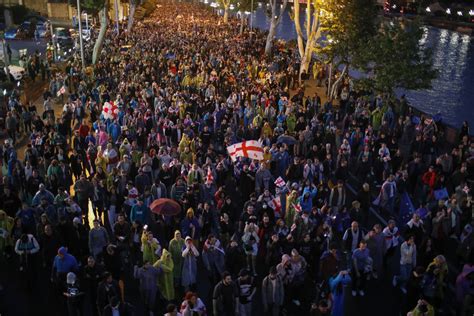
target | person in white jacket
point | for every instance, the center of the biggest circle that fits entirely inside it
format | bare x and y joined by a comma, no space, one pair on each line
407,263
250,239
26,245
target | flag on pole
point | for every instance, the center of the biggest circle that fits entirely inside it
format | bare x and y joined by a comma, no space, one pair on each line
275,204
279,182
298,208
61,91
250,149
441,194
406,208
209,177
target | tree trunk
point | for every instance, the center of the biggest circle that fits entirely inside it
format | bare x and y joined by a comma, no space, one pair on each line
299,33
274,21
226,14
336,83
100,39
329,79
242,21
131,15
270,36
306,58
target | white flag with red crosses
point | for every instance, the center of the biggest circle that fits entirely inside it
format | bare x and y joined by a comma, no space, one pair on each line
250,149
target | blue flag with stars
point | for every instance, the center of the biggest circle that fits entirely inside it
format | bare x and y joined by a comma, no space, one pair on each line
406,208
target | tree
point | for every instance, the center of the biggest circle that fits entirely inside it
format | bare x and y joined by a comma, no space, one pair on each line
226,5
347,26
395,58
275,19
313,31
98,7
131,15
244,6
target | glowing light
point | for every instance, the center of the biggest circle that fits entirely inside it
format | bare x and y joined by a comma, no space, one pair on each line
459,13
428,9
471,12
448,11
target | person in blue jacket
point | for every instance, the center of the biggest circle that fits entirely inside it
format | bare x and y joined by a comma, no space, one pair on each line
63,264
336,285
139,212
306,199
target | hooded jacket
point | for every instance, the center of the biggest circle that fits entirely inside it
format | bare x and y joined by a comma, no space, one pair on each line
306,200
175,248
64,265
165,280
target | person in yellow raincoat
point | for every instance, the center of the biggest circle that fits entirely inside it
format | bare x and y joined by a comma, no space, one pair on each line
165,280
291,122
176,249
267,156
267,130
291,201
184,142
6,225
100,160
150,247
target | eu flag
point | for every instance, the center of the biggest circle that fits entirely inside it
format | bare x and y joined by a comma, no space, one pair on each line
406,208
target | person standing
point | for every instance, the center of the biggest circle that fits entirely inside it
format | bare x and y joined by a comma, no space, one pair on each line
407,263
225,299
247,291
361,264
176,246
165,279
189,264
98,239
148,276
273,293
74,296
336,285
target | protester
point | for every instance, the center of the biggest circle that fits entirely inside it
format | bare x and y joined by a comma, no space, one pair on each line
153,119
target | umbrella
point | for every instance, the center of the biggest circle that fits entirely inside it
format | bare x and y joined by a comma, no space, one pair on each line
166,207
286,139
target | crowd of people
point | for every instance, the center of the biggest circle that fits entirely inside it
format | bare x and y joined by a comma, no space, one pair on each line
352,194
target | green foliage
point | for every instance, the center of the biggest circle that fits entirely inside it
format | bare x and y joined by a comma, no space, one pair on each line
347,26
90,6
246,5
395,59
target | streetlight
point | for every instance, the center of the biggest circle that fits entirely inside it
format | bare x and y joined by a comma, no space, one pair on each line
448,11
459,13
471,12
80,33
428,9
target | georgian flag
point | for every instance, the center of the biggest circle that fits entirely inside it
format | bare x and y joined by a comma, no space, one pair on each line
275,204
61,91
250,149
209,177
280,182
298,208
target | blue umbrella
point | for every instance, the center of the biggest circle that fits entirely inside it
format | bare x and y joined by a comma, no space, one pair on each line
286,139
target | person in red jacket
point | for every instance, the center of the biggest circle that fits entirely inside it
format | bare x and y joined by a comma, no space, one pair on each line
429,179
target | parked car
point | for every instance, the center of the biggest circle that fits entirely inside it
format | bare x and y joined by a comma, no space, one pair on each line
11,33
16,72
26,30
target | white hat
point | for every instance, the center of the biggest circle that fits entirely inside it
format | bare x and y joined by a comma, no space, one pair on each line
77,220
71,278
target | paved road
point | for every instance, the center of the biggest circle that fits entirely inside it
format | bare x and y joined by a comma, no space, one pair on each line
30,45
